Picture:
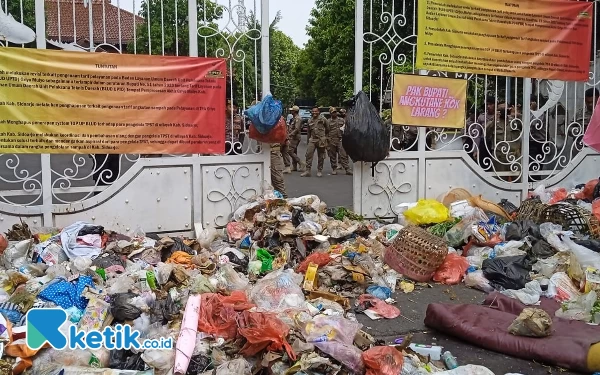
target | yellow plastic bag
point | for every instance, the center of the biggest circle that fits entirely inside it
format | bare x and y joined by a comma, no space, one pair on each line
427,211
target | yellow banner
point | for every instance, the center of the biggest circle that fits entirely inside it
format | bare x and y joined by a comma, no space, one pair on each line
71,102
525,38
429,101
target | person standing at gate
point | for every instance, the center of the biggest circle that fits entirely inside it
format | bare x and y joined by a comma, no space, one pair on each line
343,159
334,148
295,136
317,141
277,169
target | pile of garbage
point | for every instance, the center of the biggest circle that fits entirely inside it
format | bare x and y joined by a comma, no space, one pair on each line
278,290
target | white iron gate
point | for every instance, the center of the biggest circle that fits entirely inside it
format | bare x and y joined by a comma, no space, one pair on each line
549,148
123,192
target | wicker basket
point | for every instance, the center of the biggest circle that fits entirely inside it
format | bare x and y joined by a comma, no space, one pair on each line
416,253
454,195
573,218
531,209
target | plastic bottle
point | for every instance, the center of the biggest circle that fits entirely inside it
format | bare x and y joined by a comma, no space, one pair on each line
433,351
449,361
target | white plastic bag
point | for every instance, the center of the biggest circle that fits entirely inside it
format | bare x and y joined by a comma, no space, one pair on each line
278,291
541,193
585,256
550,232
478,281
578,309
530,295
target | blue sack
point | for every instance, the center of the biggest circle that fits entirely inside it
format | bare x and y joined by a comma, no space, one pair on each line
265,114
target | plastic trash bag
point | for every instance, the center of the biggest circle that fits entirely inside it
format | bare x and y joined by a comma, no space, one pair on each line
121,308
518,230
238,366
366,137
427,211
263,331
477,280
530,295
596,208
383,360
452,270
542,249
507,272
579,308
585,256
378,306
229,280
320,259
334,335
218,313
277,135
381,292
265,114
279,290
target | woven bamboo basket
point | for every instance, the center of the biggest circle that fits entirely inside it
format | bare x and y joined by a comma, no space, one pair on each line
416,253
531,209
573,218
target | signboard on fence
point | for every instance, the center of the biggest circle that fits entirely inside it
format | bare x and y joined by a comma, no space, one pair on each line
72,102
526,38
429,101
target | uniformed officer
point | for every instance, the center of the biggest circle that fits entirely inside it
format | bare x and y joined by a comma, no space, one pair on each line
277,169
334,148
295,136
343,161
317,140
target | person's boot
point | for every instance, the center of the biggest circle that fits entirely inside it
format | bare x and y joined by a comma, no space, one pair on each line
349,172
305,174
287,170
334,172
294,168
319,174
302,167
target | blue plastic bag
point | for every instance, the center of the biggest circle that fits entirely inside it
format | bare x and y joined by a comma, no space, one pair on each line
265,114
380,292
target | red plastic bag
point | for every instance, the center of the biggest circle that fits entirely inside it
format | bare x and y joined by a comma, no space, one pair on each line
452,270
588,191
379,306
218,313
277,135
236,231
596,208
383,360
263,331
559,196
320,259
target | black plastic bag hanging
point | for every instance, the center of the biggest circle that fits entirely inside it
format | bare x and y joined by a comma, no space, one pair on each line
507,272
366,138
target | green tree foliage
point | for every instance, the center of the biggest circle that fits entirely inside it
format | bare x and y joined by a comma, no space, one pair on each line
326,68
171,16
241,48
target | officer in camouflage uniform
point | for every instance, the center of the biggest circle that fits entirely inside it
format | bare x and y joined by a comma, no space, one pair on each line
335,148
295,136
277,167
317,141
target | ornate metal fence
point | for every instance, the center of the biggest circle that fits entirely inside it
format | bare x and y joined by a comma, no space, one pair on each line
537,139
165,193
